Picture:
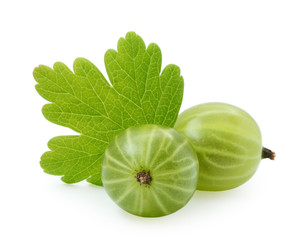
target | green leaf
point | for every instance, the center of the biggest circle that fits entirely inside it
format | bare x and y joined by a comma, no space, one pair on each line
84,101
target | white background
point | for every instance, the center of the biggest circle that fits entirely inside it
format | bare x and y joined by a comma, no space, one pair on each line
246,53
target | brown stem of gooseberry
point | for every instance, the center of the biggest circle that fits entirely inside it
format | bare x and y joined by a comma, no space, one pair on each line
143,177
267,153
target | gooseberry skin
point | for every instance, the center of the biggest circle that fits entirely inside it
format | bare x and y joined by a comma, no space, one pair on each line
160,151
227,141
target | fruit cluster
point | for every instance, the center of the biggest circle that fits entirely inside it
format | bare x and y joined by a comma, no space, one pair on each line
152,171
127,143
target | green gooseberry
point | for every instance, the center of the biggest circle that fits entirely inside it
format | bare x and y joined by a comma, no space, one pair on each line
150,170
227,141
